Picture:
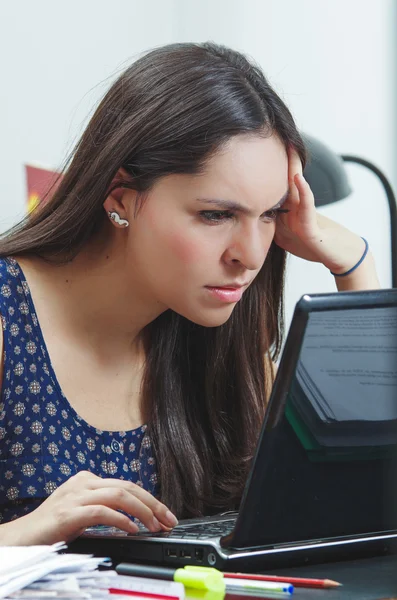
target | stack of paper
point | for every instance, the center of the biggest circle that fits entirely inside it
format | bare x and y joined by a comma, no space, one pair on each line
21,566
32,572
103,583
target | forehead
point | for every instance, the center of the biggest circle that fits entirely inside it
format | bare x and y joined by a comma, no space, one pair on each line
249,166
249,169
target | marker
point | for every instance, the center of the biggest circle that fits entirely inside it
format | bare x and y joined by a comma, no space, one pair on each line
206,578
199,578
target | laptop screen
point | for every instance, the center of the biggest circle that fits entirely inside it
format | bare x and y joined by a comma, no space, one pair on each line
326,465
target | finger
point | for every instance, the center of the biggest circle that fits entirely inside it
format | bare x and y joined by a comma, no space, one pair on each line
307,209
121,499
294,168
89,516
160,510
293,195
294,162
305,192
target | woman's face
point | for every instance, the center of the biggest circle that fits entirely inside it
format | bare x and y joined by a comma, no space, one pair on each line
199,241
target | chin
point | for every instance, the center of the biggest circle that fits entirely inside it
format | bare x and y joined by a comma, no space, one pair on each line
210,318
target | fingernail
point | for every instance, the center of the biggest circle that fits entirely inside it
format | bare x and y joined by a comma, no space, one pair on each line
171,519
156,524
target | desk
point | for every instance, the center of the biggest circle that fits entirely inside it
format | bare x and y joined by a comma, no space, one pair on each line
364,579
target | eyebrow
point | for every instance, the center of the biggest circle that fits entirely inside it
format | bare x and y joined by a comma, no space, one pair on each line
236,206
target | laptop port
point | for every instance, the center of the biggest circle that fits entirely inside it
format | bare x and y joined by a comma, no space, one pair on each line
185,554
199,554
170,552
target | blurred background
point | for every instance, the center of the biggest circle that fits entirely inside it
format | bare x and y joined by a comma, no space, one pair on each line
332,61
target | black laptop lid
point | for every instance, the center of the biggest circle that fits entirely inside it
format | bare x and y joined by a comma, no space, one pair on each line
326,463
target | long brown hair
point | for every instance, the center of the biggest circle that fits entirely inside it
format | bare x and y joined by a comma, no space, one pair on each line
204,389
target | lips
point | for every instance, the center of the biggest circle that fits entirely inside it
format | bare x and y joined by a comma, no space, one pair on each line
230,286
226,294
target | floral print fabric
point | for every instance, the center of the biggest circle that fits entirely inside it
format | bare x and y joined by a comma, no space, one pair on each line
43,441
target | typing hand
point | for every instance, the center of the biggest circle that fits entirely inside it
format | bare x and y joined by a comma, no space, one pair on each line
83,501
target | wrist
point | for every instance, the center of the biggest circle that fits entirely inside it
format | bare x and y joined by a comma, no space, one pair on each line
18,533
11,534
356,265
358,258
363,278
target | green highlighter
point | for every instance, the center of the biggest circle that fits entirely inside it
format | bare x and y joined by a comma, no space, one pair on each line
197,578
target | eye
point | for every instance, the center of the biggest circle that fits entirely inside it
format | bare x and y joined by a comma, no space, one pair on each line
216,216
271,215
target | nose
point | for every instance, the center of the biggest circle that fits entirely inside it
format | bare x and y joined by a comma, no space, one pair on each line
249,246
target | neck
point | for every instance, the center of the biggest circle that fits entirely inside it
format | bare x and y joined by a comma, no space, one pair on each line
99,297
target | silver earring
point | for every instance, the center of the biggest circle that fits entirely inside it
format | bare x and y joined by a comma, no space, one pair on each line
116,218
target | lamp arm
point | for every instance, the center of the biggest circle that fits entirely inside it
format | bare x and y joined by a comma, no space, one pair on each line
391,199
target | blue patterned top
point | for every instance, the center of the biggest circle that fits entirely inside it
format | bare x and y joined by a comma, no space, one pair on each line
43,441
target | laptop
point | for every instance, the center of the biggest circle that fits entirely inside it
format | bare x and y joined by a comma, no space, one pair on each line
322,484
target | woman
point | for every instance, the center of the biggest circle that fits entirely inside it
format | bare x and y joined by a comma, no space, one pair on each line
142,304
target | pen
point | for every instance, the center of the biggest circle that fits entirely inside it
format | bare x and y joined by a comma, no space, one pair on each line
113,590
240,595
296,581
241,585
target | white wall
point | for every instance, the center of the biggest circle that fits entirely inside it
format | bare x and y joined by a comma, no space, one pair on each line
57,60
333,61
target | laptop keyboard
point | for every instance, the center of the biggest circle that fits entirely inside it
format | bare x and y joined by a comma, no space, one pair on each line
197,531
203,530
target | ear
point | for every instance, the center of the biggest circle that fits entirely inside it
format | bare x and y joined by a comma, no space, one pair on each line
120,177
114,200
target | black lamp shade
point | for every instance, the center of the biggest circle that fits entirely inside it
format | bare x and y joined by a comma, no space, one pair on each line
325,173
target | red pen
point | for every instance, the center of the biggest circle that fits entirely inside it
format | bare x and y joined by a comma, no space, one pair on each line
142,594
296,581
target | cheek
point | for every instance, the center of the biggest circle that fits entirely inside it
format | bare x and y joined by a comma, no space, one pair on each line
169,238
185,249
